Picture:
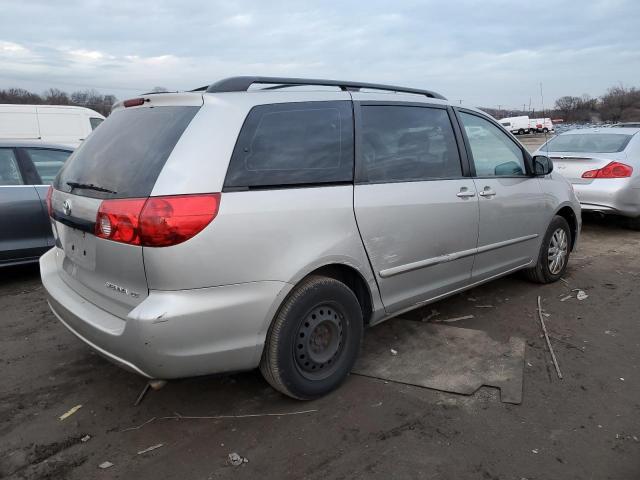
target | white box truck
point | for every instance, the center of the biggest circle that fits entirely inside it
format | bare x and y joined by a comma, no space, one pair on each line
516,125
541,125
61,124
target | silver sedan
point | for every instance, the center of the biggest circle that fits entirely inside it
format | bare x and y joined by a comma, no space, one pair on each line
604,167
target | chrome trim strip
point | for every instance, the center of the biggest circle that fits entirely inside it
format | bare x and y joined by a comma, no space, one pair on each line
449,257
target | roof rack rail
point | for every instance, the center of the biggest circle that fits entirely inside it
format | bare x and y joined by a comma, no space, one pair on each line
242,84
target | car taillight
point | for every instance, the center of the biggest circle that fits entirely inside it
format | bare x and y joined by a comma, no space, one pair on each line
612,170
49,206
156,221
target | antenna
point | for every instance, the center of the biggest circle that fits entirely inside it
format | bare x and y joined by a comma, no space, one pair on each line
546,140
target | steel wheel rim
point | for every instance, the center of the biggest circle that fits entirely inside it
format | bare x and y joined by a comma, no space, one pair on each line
320,341
558,250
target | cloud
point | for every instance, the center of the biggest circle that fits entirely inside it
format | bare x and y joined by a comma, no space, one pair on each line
496,54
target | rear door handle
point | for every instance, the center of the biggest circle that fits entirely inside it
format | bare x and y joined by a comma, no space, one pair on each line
487,192
465,193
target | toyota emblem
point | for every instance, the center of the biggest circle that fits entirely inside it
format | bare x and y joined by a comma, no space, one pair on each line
66,207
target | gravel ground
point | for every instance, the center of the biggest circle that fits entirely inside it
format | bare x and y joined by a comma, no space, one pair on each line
586,426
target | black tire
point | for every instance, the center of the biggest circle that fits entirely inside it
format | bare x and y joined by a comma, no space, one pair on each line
320,315
541,272
545,130
521,132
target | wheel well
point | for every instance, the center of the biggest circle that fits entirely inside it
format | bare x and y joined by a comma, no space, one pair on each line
570,217
352,279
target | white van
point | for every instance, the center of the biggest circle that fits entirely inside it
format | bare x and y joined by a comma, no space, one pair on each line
61,124
516,125
541,125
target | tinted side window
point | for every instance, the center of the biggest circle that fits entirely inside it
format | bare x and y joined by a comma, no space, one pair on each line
47,162
407,144
9,172
294,143
494,153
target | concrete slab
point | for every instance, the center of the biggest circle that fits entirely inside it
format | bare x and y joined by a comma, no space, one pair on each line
442,357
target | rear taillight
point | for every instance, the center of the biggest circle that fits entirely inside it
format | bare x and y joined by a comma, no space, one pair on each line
612,170
49,206
156,221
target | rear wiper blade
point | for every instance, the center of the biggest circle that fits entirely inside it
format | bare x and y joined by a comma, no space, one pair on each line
90,186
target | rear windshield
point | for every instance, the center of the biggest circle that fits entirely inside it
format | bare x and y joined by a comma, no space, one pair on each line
126,154
588,143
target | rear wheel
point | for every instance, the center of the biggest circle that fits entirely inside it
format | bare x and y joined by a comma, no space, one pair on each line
545,130
554,253
314,339
521,132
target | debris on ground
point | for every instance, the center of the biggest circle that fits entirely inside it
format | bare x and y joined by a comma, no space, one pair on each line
564,299
86,438
177,416
70,412
535,450
546,336
394,352
581,295
484,306
434,313
104,465
151,448
236,460
456,319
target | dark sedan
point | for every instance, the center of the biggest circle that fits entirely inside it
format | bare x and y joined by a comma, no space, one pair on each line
27,168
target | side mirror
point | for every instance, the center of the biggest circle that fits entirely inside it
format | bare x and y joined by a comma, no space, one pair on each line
542,165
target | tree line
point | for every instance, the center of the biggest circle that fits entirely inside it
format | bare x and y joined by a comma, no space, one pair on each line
82,98
618,104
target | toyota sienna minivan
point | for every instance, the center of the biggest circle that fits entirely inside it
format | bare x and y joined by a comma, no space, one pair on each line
265,222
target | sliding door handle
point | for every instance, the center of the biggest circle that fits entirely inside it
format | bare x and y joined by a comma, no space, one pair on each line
465,193
487,192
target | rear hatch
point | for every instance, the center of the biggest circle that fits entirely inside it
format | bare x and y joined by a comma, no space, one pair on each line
573,154
120,160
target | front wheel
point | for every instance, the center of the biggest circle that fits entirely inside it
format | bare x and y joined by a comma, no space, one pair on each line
314,339
521,132
554,253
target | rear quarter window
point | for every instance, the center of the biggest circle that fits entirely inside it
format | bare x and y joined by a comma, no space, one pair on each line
588,143
126,154
293,144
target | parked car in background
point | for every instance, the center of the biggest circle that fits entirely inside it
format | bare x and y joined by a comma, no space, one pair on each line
516,125
231,227
27,168
604,167
60,124
541,125
627,125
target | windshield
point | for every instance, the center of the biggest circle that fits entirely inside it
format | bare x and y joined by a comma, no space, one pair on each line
588,143
123,158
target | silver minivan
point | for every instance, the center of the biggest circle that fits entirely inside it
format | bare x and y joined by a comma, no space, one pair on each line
264,222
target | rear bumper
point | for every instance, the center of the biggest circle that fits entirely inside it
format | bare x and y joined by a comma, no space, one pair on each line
173,334
616,196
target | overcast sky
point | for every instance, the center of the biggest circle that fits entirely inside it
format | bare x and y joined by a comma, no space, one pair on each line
486,53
